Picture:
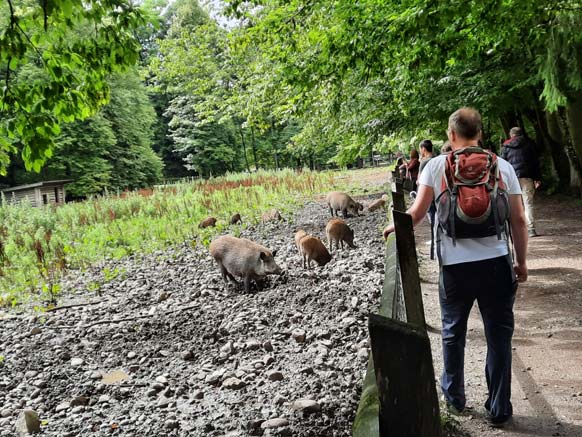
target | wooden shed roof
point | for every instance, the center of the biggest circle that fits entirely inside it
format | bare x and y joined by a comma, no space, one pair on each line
36,185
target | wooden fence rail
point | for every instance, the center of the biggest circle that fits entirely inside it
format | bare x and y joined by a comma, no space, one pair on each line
399,395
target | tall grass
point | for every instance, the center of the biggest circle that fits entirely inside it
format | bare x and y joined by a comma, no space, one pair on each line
39,245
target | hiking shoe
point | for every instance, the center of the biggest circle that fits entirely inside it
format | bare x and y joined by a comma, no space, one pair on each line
499,421
532,233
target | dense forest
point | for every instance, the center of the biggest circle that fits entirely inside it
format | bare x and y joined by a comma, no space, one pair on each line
116,95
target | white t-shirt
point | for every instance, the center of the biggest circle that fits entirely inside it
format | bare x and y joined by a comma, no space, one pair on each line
467,249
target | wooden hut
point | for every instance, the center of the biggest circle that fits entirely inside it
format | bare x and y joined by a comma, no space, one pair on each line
37,194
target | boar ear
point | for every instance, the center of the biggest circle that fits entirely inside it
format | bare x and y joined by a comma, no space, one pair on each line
262,256
274,252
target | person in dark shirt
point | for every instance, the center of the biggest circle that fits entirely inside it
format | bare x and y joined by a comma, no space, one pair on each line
521,153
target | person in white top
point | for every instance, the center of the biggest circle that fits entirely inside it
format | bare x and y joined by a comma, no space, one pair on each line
476,269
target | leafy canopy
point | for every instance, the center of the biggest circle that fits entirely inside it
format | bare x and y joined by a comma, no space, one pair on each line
76,44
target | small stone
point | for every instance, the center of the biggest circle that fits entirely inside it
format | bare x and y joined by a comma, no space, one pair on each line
162,296
275,423
307,406
214,377
163,402
363,354
171,424
162,379
27,423
78,410
131,355
268,346
253,345
103,399
275,375
354,302
76,362
227,348
35,331
6,413
279,400
97,374
233,383
348,321
80,400
198,394
164,353
268,359
62,407
158,386
187,355
307,370
298,335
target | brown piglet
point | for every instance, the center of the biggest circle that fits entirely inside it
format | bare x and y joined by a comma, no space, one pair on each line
272,215
376,204
235,219
208,222
339,232
312,249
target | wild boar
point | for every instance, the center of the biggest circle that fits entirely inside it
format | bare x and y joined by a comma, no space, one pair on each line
243,258
338,201
300,234
376,204
339,232
272,215
313,249
208,222
235,219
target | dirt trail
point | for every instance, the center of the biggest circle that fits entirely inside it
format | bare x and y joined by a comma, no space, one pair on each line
547,357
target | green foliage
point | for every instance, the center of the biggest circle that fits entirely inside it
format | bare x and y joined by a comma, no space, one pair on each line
111,150
75,45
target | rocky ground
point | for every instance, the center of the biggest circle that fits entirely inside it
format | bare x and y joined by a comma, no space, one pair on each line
166,349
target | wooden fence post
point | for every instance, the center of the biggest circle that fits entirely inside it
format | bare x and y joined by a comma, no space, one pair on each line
398,201
405,378
406,248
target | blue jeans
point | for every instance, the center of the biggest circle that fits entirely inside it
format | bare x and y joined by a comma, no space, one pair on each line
492,283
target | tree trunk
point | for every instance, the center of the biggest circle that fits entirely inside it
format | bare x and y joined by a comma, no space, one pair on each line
543,147
242,137
274,144
555,141
574,121
508,120
254,148
570,151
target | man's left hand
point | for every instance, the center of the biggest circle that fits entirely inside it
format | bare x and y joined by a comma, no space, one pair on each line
387,231
537,184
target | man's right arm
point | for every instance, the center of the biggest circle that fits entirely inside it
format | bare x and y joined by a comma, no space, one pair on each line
518,224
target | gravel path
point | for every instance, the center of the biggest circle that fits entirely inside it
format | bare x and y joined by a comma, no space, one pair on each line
196,358
547,357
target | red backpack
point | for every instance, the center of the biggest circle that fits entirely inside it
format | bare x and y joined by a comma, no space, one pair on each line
474,202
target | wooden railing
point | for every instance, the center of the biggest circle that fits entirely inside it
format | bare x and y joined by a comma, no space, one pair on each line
399,395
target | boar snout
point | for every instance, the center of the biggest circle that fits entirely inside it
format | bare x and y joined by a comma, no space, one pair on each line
269,264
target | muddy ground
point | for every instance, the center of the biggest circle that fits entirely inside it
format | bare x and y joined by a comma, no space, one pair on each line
166,349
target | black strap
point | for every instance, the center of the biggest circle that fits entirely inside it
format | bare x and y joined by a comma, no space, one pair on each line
452,230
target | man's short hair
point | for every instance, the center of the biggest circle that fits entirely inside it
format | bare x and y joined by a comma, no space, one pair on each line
466,122
426,144
516,132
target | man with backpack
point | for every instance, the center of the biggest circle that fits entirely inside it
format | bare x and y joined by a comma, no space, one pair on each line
521,153
474,192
